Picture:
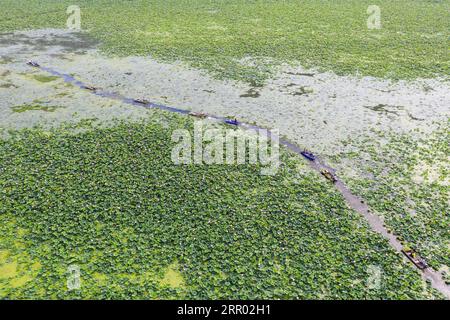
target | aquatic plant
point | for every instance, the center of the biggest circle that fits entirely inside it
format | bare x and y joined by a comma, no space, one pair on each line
244,40
35,107
405,179
110,201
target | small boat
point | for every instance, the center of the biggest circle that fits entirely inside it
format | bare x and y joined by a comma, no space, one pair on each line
198,114
308,155
233,122
327,174
33,64
141,101
414,258
91,88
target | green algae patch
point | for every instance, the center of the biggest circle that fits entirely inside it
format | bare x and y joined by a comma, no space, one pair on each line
8,270
16,270
62,94
17,267
34,107
44,78
172,277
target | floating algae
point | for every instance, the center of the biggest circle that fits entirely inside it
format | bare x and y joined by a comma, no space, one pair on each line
44,79
36,107
8,270
251,93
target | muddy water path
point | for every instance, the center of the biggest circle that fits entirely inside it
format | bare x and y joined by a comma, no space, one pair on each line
353,201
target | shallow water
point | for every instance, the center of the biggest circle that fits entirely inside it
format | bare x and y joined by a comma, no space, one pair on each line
374,221
314,110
